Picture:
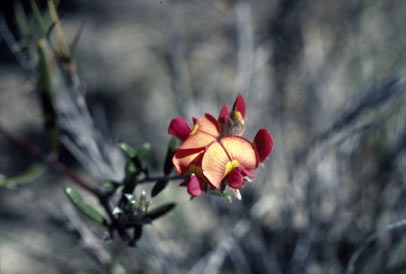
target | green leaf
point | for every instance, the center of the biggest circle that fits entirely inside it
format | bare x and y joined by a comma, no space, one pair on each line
83,207
224,195
44,86
33,171
21,20
168,165
137,155
158,187
160,211
128,150
38,17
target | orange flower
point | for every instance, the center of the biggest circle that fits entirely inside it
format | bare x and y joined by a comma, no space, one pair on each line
212,153
233,154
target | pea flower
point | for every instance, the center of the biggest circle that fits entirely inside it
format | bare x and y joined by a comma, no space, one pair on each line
229,161
213,153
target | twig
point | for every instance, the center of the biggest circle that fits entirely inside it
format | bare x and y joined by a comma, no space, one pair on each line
361,248
161,178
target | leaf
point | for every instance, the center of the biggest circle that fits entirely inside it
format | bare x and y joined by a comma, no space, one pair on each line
38,17
21,20
58,30
160,211
45,89
128,150
224,195
168,165
83,207
32,172
137,155
158,187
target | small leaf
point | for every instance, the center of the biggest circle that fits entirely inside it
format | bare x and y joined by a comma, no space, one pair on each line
38,17
83,207
224,195
158,187
21,20
143,151
117,210
168,165
33,171
130,198
128,150
137,155
159,211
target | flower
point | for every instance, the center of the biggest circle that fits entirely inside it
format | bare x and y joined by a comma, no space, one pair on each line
213,154
231,158
187,159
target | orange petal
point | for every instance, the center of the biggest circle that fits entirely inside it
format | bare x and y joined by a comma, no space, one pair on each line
214,164
208,124
242,150
184,158
199,139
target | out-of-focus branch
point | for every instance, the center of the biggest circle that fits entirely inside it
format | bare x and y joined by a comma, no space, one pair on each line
354,257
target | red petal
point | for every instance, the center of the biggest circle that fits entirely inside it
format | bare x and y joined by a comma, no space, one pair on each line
241,150
263,143
214,164
245,172
179,127
235,179
194,186
224,113
239,105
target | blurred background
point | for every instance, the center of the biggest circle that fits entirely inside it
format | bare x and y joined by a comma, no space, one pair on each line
326,78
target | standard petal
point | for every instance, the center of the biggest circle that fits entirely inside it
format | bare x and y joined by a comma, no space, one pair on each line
208,124
184,158
241,150
179,127
263,143
235,179
224,114
199,139
214,164
239,105
194,186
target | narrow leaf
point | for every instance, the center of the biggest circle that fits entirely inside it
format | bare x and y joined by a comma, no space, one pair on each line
128,150
58,29
33,171
44,86
168,165
83,207
160,211
158,187
224,195
38,17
